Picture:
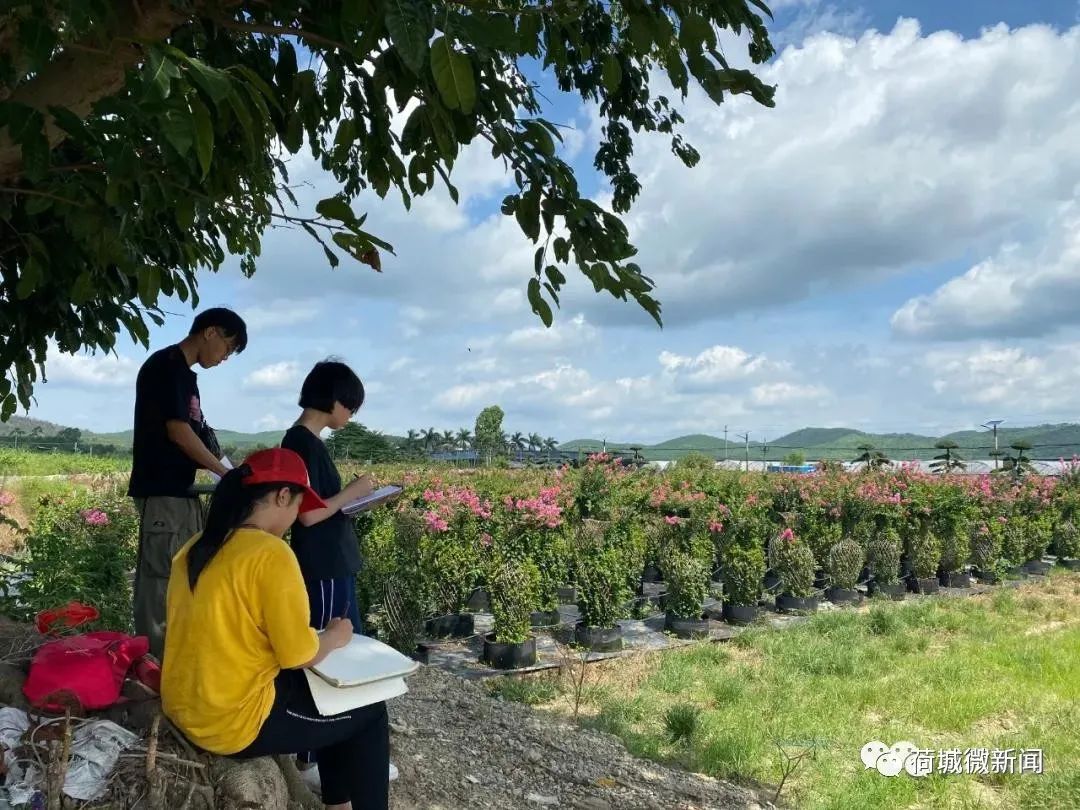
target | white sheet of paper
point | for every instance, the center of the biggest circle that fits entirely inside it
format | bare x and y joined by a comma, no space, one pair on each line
382,493
333,700
364,660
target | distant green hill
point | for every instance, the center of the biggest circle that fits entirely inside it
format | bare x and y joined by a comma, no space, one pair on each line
1048,442
233,438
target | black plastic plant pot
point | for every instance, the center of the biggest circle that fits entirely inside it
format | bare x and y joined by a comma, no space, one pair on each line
739,614
955,579
509,656
1016,571
770,581
545,618
820,579
686,628
567,595
454,625
892,590
986,577
598,639
925,585
1072,563
1037,568
843,596
653,590
786,603
479,602
422,653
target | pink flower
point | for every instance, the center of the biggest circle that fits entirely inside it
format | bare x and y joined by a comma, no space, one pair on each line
787,535
485,540
6,499
673,520
716,526
94,517
435,523
751,500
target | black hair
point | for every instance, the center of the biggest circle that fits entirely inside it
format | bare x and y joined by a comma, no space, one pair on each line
329,382
231,325
230,506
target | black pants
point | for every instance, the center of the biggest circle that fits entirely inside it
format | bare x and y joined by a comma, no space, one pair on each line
352,749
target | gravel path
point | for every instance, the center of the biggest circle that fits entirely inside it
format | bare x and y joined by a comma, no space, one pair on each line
457,748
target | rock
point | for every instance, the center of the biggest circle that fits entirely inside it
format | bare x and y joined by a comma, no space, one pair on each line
537,798
533,756
249,783
473,779
593,803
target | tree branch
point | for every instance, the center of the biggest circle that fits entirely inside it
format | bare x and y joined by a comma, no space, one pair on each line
279,30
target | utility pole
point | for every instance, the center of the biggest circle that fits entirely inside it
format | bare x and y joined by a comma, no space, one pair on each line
992,424
764,455
746,438
725,442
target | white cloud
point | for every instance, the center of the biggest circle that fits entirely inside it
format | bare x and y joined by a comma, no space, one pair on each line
281,312
715,364
993,374
1025,289
784,393
884,152
276,376
90,370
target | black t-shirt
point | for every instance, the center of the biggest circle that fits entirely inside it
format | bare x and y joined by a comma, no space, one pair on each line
166,390
327,550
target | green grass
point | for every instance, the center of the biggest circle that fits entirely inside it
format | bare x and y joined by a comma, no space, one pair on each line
997,671
20,462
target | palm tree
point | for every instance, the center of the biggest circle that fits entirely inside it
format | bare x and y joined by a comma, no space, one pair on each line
464,438
448,440
551,443
535,441
948,460
871,457
17,432
412,439
431,438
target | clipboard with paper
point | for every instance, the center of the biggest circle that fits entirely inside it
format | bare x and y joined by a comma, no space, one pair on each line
370,501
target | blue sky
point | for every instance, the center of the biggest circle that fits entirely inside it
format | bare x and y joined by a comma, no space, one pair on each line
895,247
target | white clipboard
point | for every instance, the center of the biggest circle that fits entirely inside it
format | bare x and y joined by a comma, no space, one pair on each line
364,660
373,499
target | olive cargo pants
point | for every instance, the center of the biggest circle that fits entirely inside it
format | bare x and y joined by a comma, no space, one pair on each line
165,524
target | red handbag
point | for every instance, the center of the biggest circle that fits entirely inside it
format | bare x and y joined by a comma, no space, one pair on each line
82,673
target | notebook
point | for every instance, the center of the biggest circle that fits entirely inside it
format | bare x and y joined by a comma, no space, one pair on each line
363,661
331,700
370,501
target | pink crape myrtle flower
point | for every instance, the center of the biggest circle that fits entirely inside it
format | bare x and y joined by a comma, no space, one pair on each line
716,526
6,499
94,517
435,523
787,535
673,520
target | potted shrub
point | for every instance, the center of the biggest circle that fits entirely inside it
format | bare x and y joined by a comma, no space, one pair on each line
603,566
688,584
925,557
955,553
1067,545
1013,551
449,568
986,550
536,532
843,565
883,554
512,589
794,563
743,570
1037,538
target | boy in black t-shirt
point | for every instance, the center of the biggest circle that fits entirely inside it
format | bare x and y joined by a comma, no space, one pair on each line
169,446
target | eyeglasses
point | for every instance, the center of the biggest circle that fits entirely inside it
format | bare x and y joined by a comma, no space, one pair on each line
230,346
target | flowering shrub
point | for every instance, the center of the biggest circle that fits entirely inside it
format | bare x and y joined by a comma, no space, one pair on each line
1067,540
534,530
742,569
925,554
80,546
793,562
687,576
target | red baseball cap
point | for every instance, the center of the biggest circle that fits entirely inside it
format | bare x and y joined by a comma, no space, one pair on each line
280,466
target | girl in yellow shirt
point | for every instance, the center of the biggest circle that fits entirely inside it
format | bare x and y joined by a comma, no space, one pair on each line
239,637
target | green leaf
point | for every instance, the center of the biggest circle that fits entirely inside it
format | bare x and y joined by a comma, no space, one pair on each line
696,33
293,137
529,24
335,208
160,72
36,205
286,65
83,288
409,26
537,302
528,213
185,211
178,131
36,42
33,272
331,256
204,134
453,76
149,285
612,73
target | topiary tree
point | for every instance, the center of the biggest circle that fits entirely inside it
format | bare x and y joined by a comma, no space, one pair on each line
883,555
925,554
871,457
142,142
794,563
844,563
948,461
